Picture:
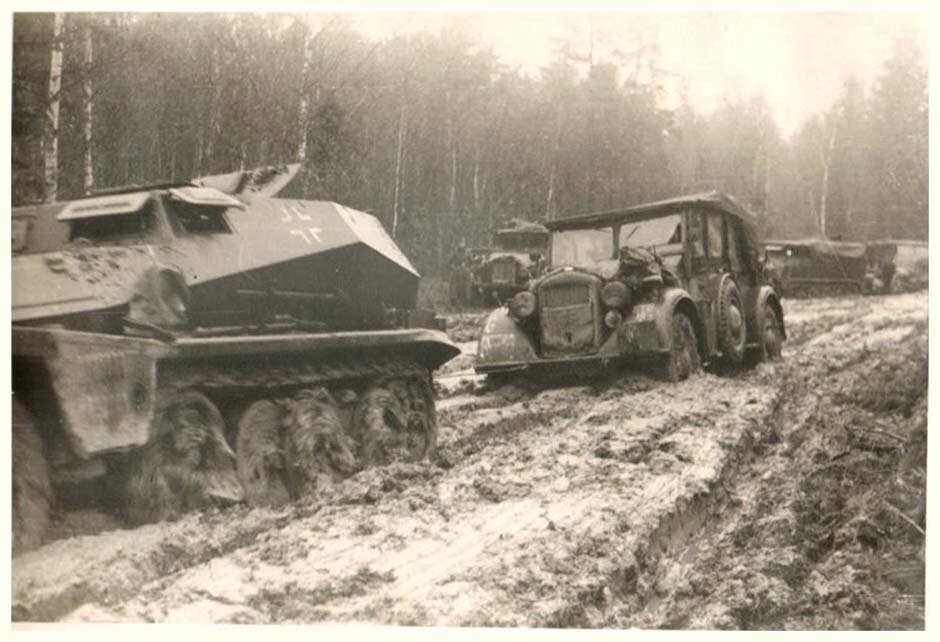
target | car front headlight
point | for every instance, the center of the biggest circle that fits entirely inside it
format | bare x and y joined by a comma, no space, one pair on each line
522,305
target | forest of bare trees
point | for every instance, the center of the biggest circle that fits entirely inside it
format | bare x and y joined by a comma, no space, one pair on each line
431,133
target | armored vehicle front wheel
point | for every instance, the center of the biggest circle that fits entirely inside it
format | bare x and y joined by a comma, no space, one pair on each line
683,358
186,465
259,451
32,490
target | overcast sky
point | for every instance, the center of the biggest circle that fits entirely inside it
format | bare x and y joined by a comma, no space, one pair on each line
798,61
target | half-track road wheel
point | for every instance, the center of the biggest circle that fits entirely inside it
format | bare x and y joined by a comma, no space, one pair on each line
260,453
683,358
187,465
395,421
32,490
422,418
319,452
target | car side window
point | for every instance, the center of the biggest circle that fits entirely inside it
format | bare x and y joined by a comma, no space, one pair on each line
716,238
734,248
696,233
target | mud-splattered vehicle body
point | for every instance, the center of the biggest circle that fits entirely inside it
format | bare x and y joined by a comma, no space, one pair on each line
175,345
674,283
517,258
897,266
805,266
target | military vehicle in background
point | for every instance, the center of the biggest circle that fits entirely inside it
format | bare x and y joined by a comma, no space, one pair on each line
674,284
517,256
179,345
812,266
897,266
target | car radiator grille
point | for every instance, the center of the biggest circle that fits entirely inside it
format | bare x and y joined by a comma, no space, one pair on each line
504,272
562,296
567,318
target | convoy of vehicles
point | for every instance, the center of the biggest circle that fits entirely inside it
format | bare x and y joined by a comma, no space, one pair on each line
676,283
180,345
177,345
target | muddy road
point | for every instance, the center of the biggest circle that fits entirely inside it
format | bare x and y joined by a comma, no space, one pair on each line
788,496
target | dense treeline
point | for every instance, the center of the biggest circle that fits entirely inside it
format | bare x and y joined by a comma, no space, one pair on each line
435,136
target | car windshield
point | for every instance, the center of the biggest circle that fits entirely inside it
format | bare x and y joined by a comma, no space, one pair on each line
522,242
583,248
654,232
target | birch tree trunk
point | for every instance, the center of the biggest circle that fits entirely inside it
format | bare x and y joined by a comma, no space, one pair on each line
213,121
476,179
452,192
549,201
825,158
452,196
398,159
88,174
304,96
50,134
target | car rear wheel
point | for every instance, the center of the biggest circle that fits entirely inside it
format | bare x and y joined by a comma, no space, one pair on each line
770,344
683,358
732,335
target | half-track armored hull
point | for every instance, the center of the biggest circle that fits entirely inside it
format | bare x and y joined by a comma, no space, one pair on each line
177,346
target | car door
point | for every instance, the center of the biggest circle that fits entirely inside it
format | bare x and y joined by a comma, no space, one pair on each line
704,266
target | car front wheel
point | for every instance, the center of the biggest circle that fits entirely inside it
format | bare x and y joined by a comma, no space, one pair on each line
683,358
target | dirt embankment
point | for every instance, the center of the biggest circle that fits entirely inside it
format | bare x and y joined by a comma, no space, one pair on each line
732,502
824,528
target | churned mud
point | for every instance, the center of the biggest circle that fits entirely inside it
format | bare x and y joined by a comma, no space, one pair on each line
788,496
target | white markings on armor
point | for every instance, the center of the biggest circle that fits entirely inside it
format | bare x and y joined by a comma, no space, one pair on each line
311,235
299,213
292,212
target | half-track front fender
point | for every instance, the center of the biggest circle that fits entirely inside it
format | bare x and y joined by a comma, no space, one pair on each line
105,385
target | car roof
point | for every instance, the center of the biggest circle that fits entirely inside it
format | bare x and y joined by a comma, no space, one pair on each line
519,226
708,200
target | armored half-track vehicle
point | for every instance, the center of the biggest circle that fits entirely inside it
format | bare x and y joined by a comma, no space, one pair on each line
674,284
517,257
176,346
816,265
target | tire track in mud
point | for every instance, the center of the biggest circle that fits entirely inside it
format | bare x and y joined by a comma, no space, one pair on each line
578,486
780,556
112,566
562,508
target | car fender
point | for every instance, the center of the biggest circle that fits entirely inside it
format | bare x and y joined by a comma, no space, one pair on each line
503,340
661,310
